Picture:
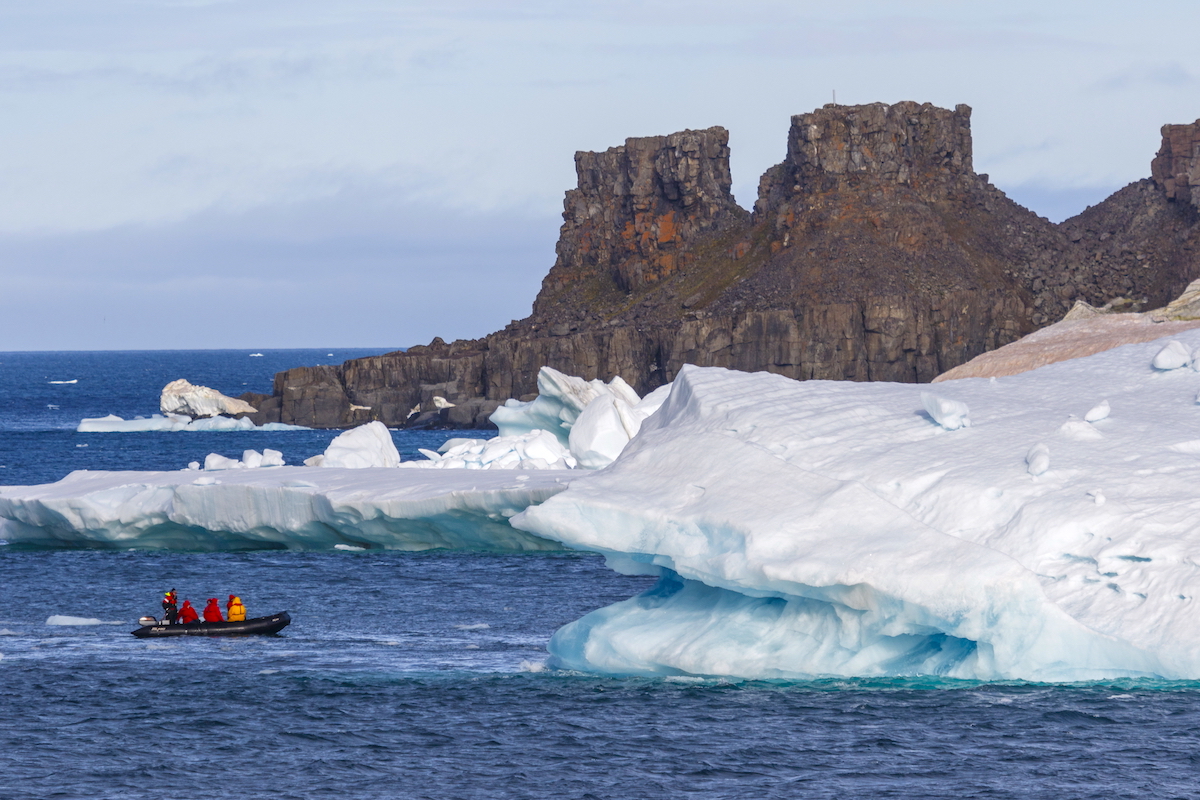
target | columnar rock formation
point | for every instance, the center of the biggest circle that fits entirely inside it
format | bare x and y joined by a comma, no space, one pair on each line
1176,168
638,207
874,252
1143,242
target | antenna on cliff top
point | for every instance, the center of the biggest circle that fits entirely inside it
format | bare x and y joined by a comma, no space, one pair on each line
835,97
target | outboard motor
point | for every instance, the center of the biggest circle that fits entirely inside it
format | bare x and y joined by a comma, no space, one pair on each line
147,621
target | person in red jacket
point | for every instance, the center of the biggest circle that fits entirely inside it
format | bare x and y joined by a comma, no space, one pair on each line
187,613
212,611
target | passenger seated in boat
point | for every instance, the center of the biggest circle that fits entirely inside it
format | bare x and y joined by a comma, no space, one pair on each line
212,611
170,609
234,610
187,613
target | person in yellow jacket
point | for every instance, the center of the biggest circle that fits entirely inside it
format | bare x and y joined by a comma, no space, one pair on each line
234,610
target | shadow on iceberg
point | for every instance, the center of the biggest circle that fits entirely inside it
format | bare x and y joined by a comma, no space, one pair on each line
685,627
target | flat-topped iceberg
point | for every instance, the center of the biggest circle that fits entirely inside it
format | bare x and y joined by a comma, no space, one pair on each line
841,529
176,422
280,507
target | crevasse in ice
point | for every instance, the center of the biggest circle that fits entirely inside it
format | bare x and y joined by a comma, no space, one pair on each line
837,529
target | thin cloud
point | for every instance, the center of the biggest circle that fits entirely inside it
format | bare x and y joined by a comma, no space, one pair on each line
1169,75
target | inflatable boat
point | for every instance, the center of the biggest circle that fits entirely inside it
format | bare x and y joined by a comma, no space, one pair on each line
152,628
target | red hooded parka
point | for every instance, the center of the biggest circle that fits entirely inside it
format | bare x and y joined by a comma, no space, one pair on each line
187,613
212,611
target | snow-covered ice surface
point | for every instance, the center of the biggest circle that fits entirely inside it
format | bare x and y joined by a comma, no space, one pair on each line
833,529
280,507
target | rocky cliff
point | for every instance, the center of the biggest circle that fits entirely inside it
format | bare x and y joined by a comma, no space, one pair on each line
1143,242
874,252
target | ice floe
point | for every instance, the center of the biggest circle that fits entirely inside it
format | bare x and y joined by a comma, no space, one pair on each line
282,507
251,459
176,422
826,528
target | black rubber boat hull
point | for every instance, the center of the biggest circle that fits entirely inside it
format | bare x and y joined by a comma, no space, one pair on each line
257,626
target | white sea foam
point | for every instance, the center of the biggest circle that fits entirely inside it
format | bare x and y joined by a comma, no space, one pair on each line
62,619
475,626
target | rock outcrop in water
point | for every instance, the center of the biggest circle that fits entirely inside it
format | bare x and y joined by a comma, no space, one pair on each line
874,252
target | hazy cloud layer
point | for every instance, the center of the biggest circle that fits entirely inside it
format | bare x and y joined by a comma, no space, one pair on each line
356,267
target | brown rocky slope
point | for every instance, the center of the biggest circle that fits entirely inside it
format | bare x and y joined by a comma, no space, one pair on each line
874,252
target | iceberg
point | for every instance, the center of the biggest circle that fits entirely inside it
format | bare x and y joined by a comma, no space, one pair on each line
280,508
183,397
561,399
366,446
592,420
809,529
572,424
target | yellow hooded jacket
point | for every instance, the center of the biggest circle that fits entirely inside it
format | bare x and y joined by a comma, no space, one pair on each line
235,611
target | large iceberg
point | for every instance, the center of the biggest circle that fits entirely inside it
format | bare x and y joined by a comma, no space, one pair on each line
280,507
837,529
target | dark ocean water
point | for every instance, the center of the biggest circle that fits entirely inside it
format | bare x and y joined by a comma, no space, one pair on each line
421,674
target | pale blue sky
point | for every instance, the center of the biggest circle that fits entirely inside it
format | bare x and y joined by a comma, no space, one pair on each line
261,173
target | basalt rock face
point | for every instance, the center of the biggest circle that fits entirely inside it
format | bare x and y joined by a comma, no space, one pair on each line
874,252
637,209
1143,242
1176,168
